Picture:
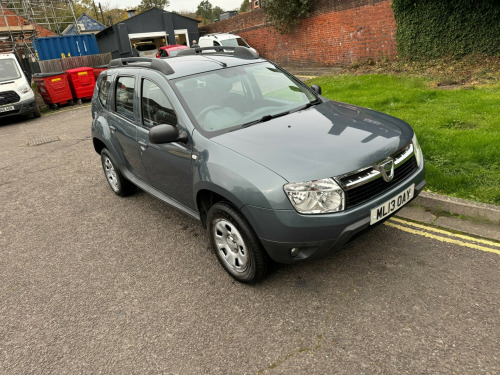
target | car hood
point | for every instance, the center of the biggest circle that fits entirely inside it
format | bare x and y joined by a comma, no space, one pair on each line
326,140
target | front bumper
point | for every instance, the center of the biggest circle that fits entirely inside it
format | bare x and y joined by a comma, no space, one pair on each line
24,107
316,235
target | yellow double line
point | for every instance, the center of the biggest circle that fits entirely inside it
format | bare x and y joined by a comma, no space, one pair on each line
454,238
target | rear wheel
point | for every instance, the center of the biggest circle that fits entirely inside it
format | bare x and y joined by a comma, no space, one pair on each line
119,184
235,244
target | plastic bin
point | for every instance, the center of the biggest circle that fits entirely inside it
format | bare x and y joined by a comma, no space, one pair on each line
82,82
99,69
54,88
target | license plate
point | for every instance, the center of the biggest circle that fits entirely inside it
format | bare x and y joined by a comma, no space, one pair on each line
391,205
5,109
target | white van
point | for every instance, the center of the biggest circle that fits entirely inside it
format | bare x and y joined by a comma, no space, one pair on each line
222,39
16,95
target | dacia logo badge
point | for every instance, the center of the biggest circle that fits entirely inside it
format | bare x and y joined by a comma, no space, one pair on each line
386,168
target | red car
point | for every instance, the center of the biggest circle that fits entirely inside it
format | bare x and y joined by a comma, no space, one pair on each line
170,51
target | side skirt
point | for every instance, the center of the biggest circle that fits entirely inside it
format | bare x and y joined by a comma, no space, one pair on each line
158,194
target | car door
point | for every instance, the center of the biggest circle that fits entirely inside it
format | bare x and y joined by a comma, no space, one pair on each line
169,165
123,120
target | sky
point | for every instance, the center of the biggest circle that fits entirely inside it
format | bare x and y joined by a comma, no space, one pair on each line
179,5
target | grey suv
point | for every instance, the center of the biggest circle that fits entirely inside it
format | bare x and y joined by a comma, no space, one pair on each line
272,169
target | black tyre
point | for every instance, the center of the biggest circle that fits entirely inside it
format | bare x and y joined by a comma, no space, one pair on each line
119,184
235,244
36,112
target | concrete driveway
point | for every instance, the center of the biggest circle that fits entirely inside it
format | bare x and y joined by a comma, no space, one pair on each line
93,283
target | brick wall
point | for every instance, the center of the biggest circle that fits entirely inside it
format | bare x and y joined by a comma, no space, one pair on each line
339,32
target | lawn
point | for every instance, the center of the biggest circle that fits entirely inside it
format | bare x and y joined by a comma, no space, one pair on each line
458,129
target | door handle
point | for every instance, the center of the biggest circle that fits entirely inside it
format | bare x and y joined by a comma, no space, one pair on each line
143,145
113,129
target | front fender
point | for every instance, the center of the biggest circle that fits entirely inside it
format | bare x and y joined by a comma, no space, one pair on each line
235,177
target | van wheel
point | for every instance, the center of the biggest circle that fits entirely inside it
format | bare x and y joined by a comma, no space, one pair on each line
36,112
119,184
235,244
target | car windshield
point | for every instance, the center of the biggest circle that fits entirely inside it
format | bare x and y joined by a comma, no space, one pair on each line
234,42
8,70
231,98
174,52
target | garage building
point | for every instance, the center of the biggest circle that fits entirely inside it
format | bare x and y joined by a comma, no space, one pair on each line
152,26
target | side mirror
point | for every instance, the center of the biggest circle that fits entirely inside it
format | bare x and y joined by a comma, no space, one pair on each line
316,89
166,134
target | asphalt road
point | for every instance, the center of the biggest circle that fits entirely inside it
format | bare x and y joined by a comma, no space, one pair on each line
92,283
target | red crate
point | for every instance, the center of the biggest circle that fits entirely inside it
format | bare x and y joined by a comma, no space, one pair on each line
82,82
54,88
99,69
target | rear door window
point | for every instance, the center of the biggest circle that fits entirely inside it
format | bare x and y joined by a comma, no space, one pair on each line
103,89
124,96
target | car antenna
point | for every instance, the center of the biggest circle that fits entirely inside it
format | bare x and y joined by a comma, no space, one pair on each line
223,64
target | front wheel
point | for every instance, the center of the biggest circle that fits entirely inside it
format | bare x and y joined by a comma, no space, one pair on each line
235,244
36,111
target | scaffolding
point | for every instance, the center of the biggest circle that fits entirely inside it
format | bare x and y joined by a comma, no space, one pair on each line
23,20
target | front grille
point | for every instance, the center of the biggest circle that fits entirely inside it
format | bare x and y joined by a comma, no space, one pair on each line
8,97
363,185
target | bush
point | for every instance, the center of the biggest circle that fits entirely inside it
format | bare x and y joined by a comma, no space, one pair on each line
453,28
285,14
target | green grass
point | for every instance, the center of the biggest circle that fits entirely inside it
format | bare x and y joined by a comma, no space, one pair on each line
459,130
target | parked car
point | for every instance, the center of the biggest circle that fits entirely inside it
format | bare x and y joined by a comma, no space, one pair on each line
273,170
16,95
222,39
170,51
146,49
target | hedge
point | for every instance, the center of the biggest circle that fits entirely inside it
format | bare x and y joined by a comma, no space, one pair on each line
447,28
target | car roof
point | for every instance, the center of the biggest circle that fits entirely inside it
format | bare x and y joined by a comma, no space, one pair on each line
7,55
186,65
220,36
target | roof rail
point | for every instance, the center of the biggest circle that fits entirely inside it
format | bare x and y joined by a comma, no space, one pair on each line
157,64
241,52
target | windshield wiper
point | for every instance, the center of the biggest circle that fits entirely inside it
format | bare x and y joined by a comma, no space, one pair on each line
305,106
264,119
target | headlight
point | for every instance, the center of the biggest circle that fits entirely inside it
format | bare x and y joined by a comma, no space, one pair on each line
417,150
316,197
24,89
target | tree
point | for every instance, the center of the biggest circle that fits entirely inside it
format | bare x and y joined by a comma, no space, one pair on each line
111,15
216,12
114,15
245,6
187,14
205,11
148,4
285,14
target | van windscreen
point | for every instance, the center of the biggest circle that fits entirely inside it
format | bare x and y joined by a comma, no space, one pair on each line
8,70
234,42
